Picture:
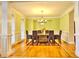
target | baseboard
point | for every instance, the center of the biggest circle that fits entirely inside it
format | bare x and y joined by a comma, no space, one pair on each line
11,52
68,42
71,42
17,43
65,42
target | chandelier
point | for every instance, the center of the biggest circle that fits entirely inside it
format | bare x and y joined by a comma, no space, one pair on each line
42,21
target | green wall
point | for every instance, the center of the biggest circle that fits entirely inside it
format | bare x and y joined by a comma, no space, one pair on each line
64,23
52,24
29,24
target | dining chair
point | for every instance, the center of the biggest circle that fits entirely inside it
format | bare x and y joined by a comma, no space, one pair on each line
26,34
47,31
60,33
51,36
39,31
34,37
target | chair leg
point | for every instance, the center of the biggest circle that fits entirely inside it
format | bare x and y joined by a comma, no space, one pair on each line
32,42
59,40
36,42
53,41
48,41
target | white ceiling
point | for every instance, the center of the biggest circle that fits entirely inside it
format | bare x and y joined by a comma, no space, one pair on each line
54,8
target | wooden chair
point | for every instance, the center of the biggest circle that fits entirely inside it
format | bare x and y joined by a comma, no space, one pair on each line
47,31
34,37
51,36
59,39
27,36
39,31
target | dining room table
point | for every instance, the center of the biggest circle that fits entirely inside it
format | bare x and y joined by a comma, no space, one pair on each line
43,37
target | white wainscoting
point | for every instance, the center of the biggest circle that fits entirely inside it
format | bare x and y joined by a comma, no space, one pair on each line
65,36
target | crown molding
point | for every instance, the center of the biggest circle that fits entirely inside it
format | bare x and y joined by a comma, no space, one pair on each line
70,9
15,9
43,17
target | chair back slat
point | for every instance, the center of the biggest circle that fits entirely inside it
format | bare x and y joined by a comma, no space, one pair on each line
34,33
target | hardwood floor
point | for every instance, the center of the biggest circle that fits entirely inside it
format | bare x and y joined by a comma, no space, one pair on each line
49,51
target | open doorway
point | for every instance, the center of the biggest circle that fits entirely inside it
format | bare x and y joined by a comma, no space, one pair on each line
41,25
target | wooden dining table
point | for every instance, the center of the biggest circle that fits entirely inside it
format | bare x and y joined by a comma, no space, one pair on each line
44,37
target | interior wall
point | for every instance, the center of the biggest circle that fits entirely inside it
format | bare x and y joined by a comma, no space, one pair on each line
71,27
64,26
29,25
51,24
64,23
67,26
17,26
17,18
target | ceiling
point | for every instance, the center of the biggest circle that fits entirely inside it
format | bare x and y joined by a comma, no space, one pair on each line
54,8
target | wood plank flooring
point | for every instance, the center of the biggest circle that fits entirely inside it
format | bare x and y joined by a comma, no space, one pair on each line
49,51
